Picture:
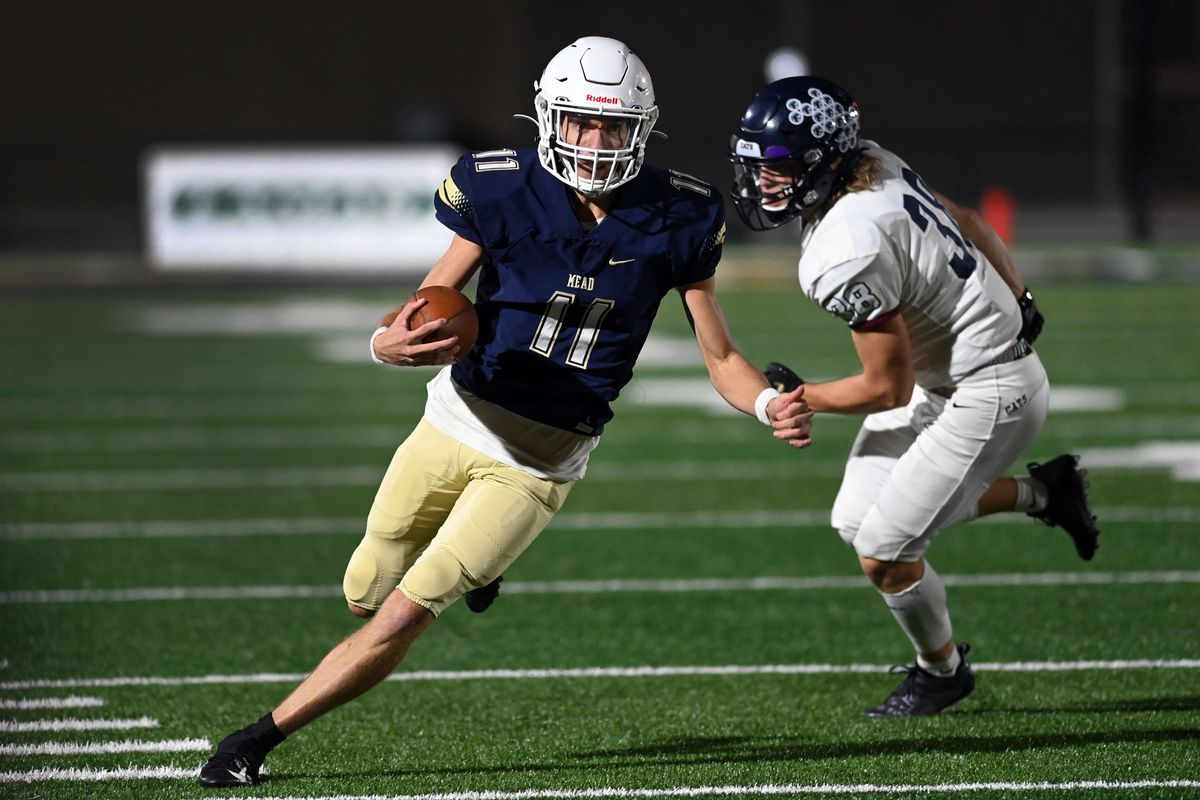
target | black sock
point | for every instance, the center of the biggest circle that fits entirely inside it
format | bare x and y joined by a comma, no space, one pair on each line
266,733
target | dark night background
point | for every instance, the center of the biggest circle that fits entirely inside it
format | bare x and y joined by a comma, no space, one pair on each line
1080,109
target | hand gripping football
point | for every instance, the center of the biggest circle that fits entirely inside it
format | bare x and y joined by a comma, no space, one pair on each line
448,303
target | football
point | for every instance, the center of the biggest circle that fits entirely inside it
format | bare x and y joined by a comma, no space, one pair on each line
446,302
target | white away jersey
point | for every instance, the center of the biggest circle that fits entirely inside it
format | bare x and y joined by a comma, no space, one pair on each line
894,249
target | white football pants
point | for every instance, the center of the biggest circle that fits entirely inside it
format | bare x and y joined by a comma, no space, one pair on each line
917,470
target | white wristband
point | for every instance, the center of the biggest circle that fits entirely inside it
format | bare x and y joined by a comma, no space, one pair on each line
374,357
760,404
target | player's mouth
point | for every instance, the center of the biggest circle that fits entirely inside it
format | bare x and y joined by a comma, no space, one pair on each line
600,172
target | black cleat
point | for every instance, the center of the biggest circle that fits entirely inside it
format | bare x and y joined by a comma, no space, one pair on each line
236,763
481,599
922,693
781,377
1067,502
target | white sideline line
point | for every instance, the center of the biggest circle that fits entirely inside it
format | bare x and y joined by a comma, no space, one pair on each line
602,672
613,586
127,774
790,789
104,748
169,773
570,521
51,702
75,724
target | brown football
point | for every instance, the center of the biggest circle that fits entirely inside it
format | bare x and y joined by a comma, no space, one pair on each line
448,303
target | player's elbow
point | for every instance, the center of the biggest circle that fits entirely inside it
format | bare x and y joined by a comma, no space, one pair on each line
893,399
892,391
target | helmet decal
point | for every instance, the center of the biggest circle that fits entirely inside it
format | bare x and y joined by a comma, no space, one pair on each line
797,143
829,118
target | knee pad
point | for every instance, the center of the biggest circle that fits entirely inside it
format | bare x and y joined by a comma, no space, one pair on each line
881,539
848,535
436,580
363,584
846,518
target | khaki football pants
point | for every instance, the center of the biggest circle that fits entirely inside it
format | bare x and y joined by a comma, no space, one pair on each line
446,519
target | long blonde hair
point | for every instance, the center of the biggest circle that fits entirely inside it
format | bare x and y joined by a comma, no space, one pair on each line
865,177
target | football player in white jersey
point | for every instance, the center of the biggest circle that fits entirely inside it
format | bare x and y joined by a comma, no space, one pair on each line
950,384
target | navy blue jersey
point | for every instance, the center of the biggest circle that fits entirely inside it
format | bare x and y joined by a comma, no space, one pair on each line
564,312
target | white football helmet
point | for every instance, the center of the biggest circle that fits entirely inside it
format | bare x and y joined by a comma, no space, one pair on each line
594,77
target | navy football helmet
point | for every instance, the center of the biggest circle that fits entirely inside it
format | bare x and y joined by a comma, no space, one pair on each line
796,145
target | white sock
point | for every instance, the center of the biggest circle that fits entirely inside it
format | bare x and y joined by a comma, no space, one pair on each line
922,613
943,669
1031,494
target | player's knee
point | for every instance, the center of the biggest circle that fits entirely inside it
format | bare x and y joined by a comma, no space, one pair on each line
434,578
846,520
364,585
891,577
848,534
359,611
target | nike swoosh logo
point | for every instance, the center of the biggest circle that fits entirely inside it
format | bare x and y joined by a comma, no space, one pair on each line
612,262
242,777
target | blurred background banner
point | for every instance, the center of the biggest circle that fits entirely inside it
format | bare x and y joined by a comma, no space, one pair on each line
364,209
1075,124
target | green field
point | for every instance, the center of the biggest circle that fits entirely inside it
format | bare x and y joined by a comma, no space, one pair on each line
185,471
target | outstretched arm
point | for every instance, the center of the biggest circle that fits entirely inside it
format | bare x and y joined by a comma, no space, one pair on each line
887,377
735,378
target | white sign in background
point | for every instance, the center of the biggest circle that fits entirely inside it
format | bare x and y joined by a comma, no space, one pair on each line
261,209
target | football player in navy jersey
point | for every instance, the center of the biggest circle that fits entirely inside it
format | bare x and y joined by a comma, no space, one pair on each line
951,387
575,244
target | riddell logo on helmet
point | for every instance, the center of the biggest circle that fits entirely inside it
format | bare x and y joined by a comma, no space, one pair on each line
597,98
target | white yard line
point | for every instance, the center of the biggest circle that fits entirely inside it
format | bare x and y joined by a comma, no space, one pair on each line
290,403
604,672
169,593
1181,458
271,437
73,724
773,789
611,586
103,748
365,475
584,521
141,480
178,529
258,437
85,774
26,703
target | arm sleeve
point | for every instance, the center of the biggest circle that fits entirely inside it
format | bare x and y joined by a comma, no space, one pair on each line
453,204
